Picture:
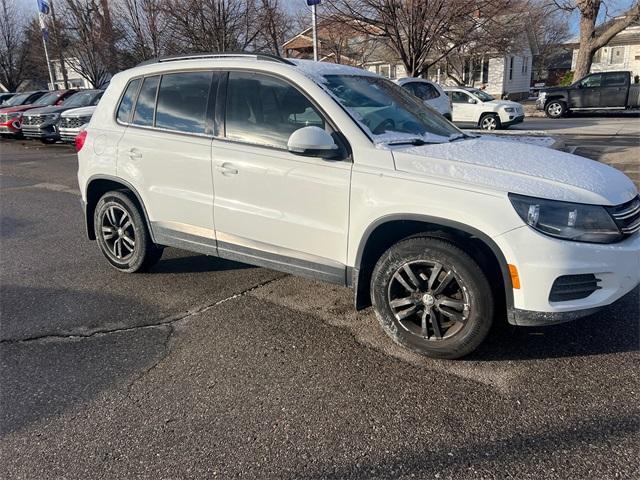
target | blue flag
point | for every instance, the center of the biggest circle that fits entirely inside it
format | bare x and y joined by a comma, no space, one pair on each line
43,7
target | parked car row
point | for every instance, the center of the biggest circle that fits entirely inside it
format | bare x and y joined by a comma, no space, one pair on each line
48,116
465,106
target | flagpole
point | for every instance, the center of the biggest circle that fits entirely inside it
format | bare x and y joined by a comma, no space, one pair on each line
44,44
315,32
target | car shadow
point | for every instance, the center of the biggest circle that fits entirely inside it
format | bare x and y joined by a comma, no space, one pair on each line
190,263
615,328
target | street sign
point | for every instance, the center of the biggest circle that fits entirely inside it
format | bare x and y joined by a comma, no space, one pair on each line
313,2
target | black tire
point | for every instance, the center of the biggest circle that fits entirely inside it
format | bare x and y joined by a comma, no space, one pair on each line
48,141
489,121
122,234
555,109
468,289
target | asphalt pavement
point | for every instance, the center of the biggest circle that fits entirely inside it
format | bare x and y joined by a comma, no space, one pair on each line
205,368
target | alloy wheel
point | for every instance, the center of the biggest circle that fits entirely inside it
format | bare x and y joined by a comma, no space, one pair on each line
554,109
428,300
489,123
118,233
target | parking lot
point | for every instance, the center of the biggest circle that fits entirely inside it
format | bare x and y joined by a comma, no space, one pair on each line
205,368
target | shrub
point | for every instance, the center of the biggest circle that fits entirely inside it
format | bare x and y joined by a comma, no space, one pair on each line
567,79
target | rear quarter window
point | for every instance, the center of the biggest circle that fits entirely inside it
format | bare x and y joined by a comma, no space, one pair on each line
126,104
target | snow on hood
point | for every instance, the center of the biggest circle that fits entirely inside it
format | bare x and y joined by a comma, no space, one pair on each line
80,112
518,167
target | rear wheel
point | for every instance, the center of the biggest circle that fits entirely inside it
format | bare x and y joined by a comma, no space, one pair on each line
555,109
122,234
431,297
489,121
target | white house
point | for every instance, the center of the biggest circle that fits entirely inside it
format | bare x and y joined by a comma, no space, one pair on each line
75,80
621,53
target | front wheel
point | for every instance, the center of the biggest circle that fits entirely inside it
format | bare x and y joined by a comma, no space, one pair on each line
490,121
48,141
555,109
122,234
432,297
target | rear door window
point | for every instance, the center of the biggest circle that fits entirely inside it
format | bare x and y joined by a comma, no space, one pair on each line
615,79
126,104
182,101
145,107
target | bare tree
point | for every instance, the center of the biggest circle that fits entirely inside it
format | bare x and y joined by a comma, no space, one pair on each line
13,45
89,49
422,32
213,25
592,38
145,26
275,26
549,29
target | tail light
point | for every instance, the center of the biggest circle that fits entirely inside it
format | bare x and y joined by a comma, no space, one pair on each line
80,139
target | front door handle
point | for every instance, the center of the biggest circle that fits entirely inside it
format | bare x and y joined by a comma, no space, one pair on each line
134,154
227,169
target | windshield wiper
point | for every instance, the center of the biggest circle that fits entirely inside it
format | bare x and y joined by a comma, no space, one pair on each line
410,141
459,136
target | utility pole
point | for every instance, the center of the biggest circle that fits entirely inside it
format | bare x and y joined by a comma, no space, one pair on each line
56,33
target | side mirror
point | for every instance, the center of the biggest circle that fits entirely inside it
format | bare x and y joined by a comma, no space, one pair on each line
312,142
471,100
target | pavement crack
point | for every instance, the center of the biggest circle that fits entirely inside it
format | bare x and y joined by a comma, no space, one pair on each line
169,321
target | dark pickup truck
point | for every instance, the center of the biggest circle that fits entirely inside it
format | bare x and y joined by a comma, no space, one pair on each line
596,91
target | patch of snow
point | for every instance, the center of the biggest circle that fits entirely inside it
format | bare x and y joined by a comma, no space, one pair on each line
533,140
519,168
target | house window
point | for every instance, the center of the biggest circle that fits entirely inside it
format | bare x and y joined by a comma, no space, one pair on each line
617,55
475,71
525,65
597,57
511,68
385,70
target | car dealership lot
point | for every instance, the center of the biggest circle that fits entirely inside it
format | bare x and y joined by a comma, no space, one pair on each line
208,368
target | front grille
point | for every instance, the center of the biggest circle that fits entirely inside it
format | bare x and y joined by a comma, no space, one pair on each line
573,287
32,120
73,122
627,216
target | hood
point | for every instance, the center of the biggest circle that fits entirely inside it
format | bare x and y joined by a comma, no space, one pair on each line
50,109
508,166
17,108
80,112
503,103
553,89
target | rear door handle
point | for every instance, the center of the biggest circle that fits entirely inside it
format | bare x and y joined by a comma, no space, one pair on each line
227,169
134,154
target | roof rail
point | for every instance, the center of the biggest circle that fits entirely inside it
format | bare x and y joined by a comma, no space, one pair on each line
199,56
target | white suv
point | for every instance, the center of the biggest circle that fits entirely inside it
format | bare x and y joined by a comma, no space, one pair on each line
336,174
430,93
477,109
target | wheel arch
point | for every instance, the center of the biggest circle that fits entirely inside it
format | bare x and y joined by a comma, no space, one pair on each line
97,186
390,229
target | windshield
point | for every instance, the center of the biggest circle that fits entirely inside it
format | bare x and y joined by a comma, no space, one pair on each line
48,99
80,99
16,100
482,95
387,112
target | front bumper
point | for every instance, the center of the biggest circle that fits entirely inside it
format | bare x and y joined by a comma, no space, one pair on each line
513,121
12,127
69,134
541,260
40,132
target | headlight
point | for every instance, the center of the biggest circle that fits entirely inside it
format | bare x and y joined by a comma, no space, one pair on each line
509,109
11,116
569,221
